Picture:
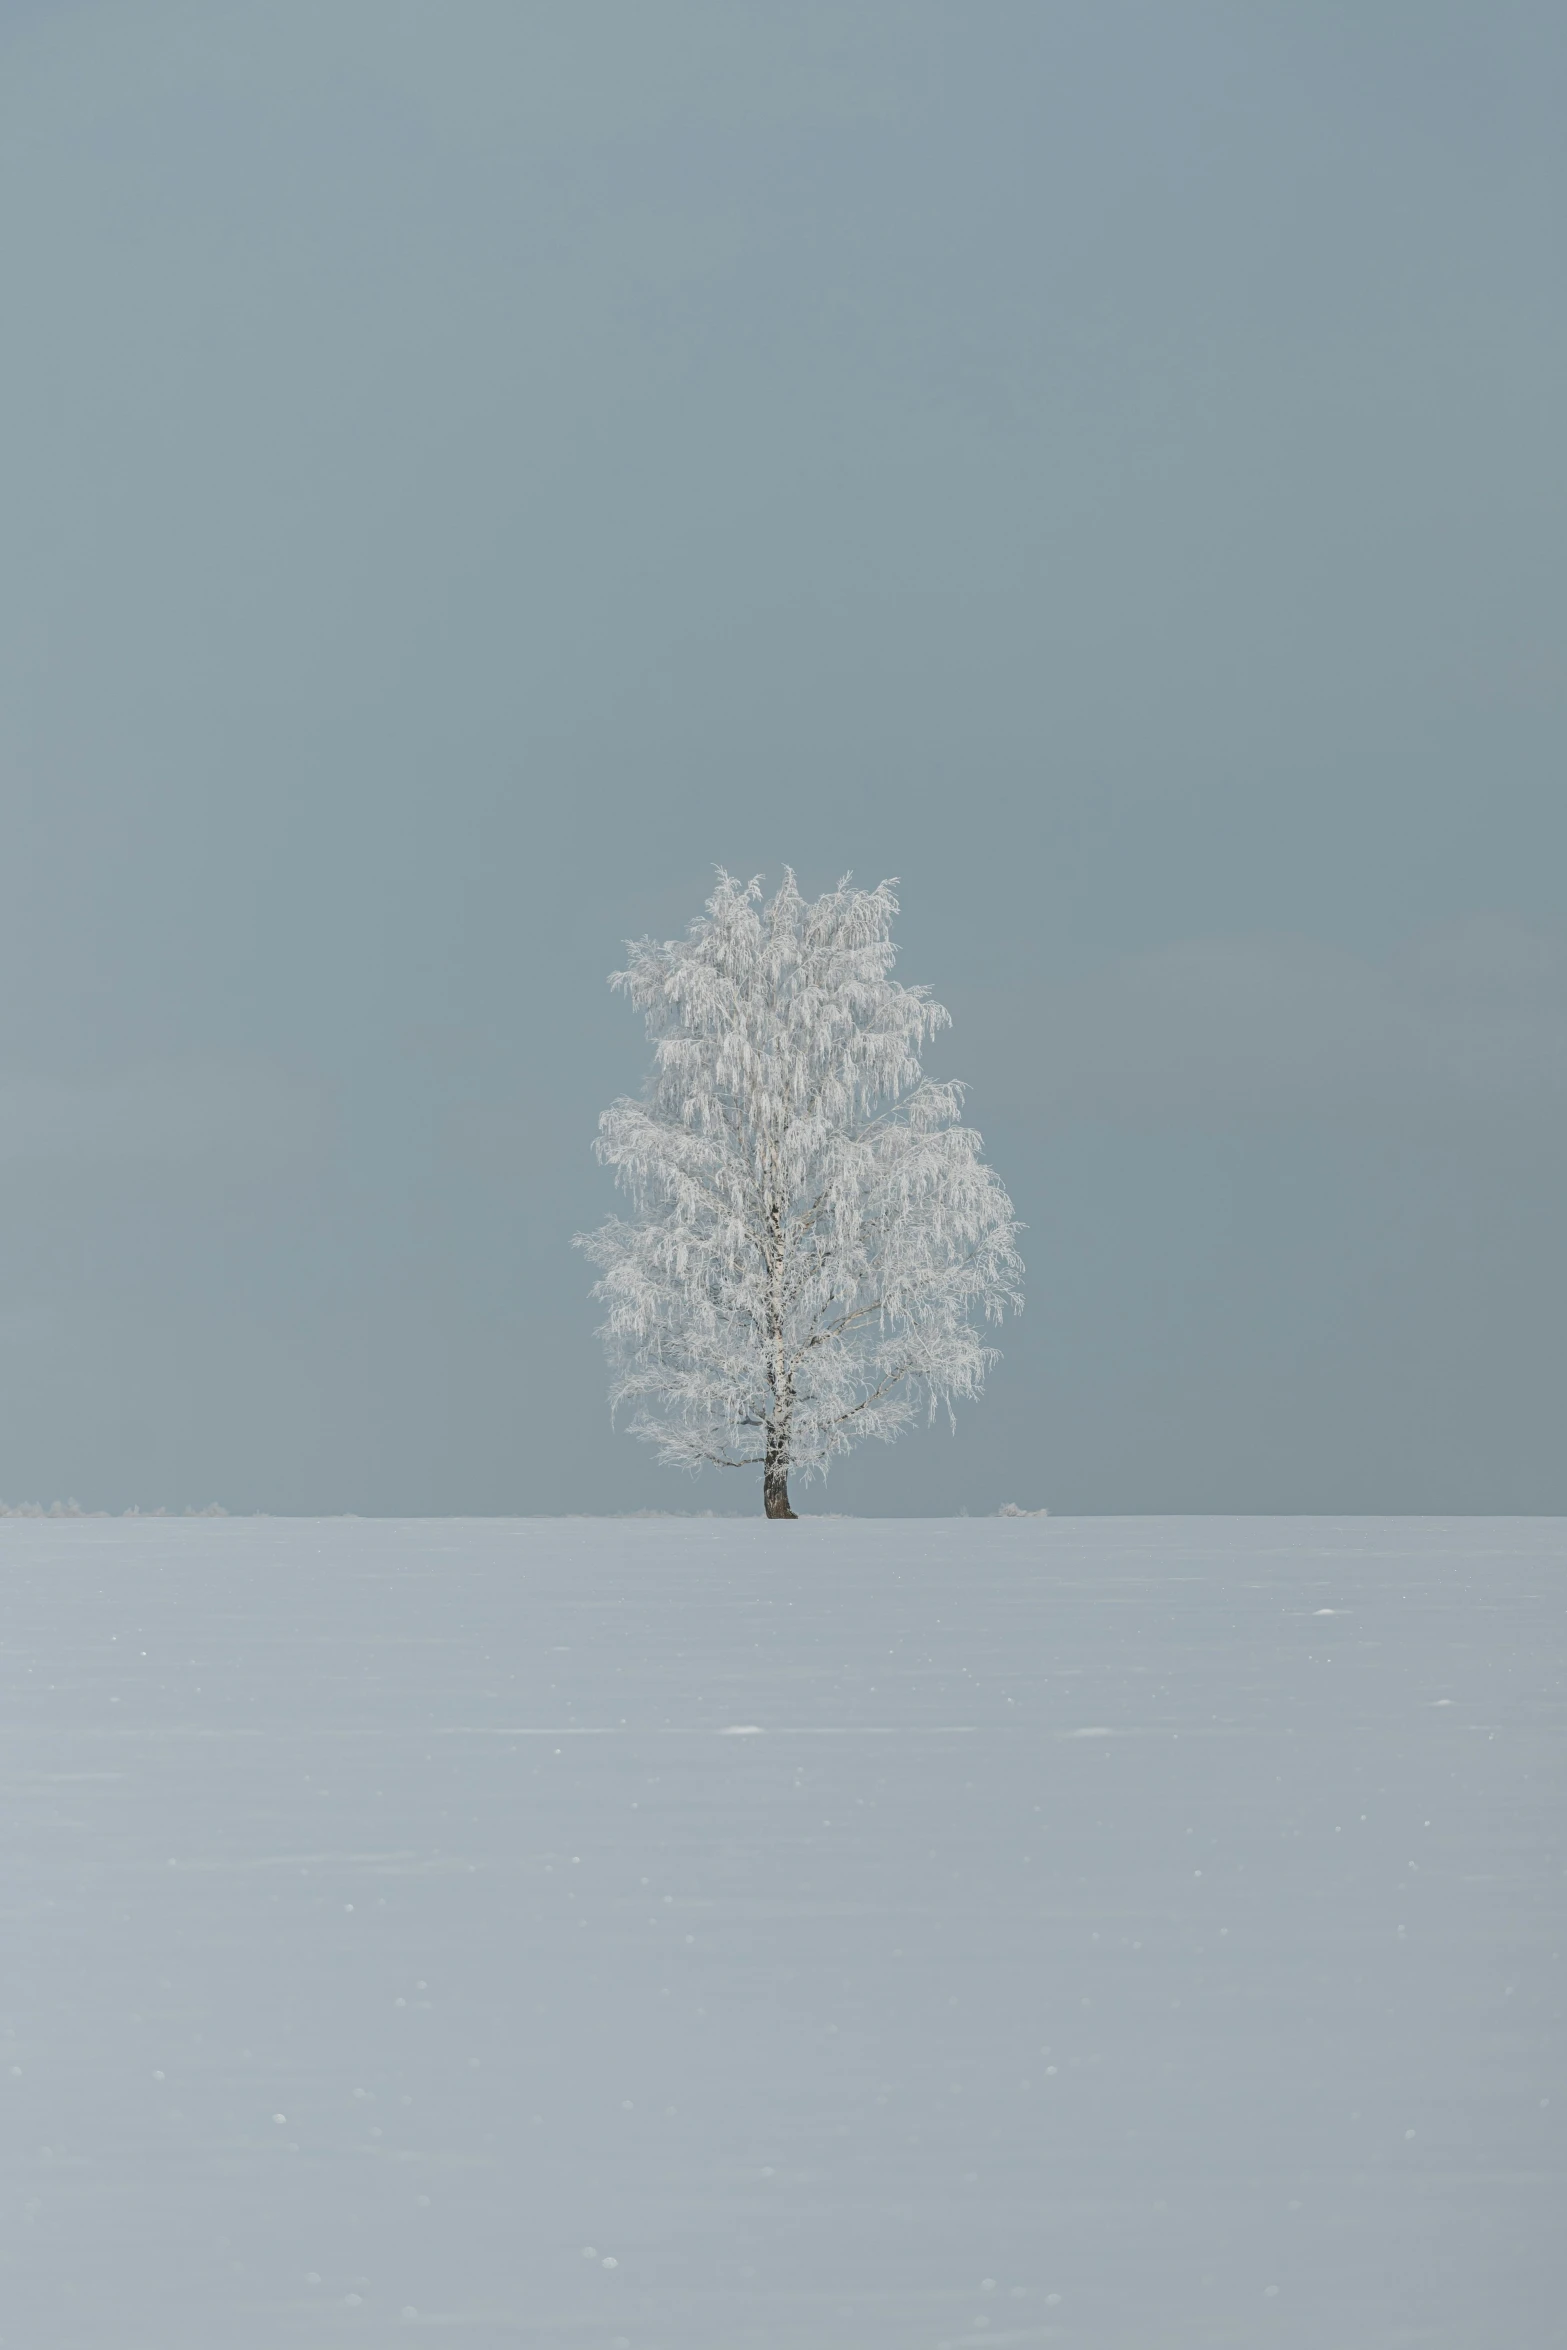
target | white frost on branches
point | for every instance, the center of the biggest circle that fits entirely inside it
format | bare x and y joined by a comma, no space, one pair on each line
815,1240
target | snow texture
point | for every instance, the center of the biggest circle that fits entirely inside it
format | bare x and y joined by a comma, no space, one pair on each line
815,1232
714,1935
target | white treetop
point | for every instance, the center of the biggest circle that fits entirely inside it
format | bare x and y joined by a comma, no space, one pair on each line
815,1240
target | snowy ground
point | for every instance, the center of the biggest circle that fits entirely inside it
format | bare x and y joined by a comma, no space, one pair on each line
719,1936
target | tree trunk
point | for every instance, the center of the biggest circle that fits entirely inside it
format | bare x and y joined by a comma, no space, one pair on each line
775,1494
775,1480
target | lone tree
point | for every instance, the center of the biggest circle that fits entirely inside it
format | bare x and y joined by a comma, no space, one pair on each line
814,1234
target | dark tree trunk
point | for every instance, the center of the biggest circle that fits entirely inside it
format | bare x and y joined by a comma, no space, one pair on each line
775,1481
775,1495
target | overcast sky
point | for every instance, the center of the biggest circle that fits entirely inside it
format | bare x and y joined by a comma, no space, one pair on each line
471,467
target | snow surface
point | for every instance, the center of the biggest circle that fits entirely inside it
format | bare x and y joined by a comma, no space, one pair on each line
713,1935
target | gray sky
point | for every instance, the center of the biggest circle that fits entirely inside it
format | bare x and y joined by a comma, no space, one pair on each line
473,467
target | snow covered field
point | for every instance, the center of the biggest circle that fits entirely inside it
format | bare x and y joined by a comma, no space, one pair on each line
713,1935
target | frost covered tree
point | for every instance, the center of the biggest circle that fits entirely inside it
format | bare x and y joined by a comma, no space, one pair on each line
815,1242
